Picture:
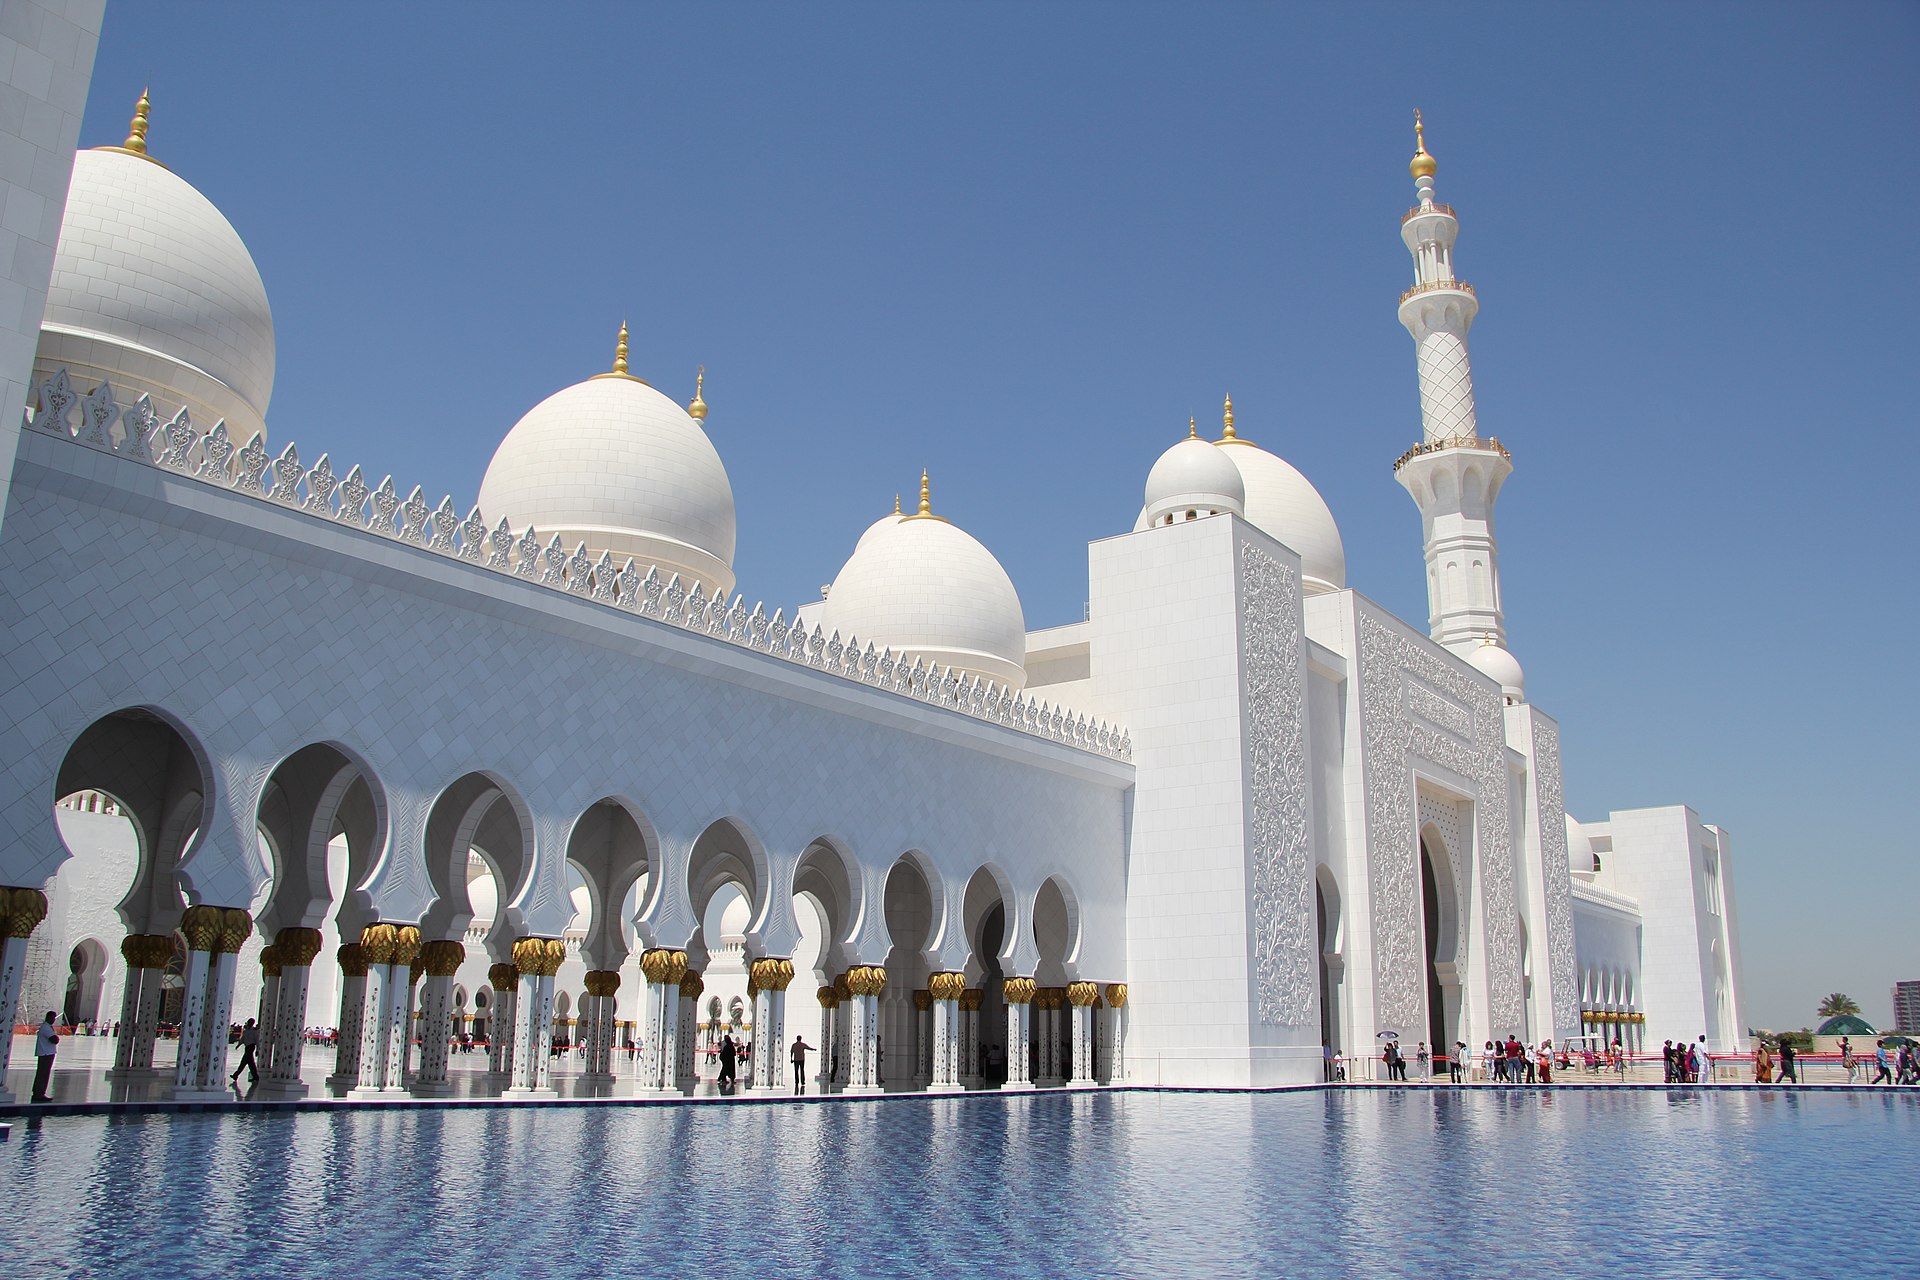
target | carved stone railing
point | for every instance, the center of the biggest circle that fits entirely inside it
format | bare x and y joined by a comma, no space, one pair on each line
1435,286
1491,443
1417,210
136,432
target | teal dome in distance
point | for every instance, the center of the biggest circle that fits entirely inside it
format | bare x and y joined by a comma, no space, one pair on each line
1846,1024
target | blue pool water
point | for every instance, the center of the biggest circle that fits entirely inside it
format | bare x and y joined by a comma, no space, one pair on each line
1438,1183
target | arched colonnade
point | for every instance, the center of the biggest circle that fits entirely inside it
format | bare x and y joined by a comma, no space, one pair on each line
966,980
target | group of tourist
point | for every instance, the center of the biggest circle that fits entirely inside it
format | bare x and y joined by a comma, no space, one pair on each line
1687,1063
1892,1064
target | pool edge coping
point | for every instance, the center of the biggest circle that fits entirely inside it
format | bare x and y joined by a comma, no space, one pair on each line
283,1106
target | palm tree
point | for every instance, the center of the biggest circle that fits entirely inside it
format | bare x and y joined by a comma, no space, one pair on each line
1838,1004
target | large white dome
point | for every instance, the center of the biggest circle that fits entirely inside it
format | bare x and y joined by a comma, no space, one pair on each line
617,465
1192,479
927,589
154,291
1283,503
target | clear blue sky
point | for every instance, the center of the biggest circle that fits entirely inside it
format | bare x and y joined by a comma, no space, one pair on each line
1020,244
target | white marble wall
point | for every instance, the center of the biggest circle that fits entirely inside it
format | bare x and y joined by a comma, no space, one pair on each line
427,668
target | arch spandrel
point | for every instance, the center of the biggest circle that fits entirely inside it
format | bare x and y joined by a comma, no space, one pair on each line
397,885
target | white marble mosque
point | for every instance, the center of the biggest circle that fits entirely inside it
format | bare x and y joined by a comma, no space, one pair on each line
1237,813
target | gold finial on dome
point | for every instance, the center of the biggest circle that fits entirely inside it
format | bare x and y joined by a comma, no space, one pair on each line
698,409
1227,434
926,501
620,358
1422,165
896,504
136,143
1193,429
137,130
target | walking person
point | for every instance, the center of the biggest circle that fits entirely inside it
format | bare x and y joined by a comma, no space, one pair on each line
800,1047
249,1042
45,1045
1762,1063
1489,1064
1848,1061
1880,1063
1459,1062
729,1058
1787,1073
1326,1063
1668,1059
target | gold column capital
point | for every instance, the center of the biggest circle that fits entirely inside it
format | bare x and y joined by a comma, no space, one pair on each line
21,911
297,945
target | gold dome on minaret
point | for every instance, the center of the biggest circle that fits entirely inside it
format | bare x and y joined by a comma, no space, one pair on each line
1422,165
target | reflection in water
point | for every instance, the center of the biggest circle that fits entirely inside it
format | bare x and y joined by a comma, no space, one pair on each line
1680,1183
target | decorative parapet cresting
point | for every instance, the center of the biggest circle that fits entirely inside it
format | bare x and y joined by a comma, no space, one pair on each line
97,421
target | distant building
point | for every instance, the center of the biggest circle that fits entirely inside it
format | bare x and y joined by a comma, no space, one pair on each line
1906,1007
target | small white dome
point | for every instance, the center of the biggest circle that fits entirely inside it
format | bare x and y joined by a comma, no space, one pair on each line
617,465
733,920
153,290
1494,662
1284,504
1194,476
484,896
927,589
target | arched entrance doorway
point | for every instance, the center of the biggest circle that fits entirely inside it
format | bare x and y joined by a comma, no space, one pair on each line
1440,924
1326,907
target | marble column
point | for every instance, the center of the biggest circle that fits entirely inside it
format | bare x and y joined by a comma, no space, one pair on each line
1018,993
945,990
601,984
442,961
146,955
969,1050
1081,996
686,1068
842,1019
656,1069
922,1015
771,975
830,1009
390,950
21,911
505,981
353,1007
1116,998
268,1015
865,982
538,960
297,947
214,937
410,1030
1046,1035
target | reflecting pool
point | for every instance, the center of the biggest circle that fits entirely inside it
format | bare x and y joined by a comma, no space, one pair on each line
1685,1183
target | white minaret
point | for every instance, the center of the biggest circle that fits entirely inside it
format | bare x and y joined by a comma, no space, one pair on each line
1453,473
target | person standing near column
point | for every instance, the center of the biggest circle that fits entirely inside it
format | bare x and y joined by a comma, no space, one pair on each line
45,1045
249,1041
800,1047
